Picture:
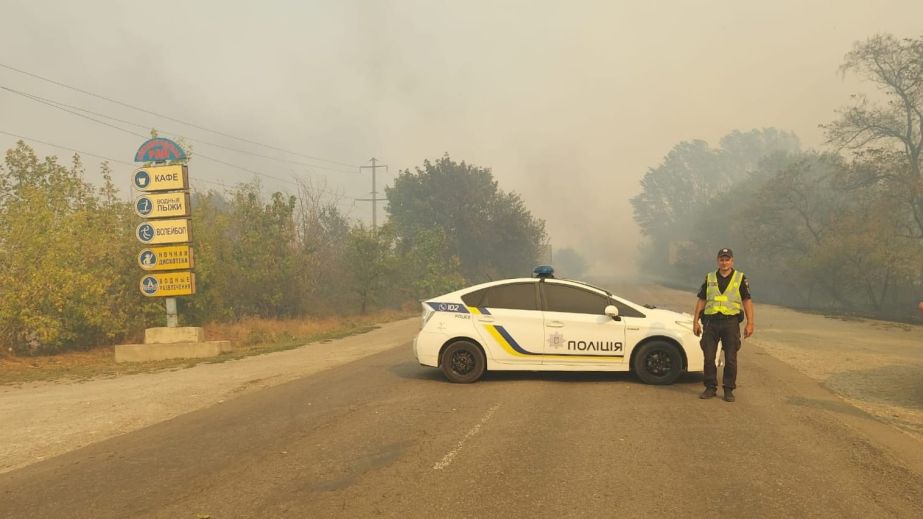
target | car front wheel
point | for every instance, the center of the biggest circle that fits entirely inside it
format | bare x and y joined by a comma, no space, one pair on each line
463,362
658,362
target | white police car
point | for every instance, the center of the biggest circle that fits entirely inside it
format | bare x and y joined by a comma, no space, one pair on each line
547,324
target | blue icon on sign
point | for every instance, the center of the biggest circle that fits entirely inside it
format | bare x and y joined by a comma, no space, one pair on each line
148,258
144,206
142,179
145,232
149,285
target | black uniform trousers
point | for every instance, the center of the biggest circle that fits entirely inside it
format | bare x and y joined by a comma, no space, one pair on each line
726,330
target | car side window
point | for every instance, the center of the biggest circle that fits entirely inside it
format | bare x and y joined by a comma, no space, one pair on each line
514,296
565,298
625,310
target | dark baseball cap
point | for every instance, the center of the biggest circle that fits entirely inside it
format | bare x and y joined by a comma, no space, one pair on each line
726,252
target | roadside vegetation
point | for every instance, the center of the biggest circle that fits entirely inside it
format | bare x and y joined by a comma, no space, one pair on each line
839,229
69,278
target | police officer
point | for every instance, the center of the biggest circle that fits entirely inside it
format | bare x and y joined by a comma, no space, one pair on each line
724,297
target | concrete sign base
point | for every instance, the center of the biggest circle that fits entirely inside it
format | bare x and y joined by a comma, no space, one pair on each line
167,335
171,343
180,350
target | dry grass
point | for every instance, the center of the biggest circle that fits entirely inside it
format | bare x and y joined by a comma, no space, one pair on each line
249,337
254,330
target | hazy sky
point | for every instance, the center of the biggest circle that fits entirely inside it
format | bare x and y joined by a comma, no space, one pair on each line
568,102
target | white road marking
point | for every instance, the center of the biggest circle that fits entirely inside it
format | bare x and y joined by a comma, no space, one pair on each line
447,459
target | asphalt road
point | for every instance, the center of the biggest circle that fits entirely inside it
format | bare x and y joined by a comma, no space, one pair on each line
382,436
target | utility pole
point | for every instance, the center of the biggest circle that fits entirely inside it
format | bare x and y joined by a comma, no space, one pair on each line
374,167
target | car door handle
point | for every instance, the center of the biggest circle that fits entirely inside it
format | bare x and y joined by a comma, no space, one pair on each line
633,328
555,324
485,319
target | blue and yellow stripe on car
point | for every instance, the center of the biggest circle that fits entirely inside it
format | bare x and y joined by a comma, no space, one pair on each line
507,342
479,310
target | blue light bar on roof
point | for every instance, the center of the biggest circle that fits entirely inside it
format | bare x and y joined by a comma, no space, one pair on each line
543,271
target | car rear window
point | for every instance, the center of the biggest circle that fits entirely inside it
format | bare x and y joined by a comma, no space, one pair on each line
474,298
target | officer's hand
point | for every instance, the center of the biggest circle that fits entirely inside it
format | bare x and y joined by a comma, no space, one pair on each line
697,328
748,329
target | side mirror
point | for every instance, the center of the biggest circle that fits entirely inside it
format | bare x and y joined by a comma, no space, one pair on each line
613,312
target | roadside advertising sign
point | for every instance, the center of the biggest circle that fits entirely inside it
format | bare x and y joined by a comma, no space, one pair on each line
170,257
162,200
176,230
162,178
160,149
162,205
168,284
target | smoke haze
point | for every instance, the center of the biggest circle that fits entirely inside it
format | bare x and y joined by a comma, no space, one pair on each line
568,103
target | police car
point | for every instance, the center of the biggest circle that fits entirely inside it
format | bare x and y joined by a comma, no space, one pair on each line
547,324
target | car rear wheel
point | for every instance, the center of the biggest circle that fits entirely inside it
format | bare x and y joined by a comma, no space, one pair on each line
463,362
658,362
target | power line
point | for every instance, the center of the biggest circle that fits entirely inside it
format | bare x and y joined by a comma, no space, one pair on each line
66,148
51,104
248,170
82,152
62,106
174,119
202,155
109,159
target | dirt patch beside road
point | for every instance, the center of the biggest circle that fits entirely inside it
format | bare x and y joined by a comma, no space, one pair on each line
875,365
44,419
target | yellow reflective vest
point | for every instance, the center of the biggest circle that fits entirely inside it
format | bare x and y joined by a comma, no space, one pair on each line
728,303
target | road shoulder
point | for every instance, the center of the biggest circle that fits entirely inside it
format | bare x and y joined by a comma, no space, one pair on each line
42,420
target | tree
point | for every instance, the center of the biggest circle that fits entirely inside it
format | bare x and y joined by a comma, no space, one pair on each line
892,128
66,257
810,240
247,261
371,263
674,191
491,232
262,237
682,190
743,151
215,298
786,223
427,268
322,234
672,196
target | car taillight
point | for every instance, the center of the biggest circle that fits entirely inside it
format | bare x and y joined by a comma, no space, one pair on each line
427,313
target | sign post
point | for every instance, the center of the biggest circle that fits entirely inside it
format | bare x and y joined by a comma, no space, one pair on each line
161,199
164,204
